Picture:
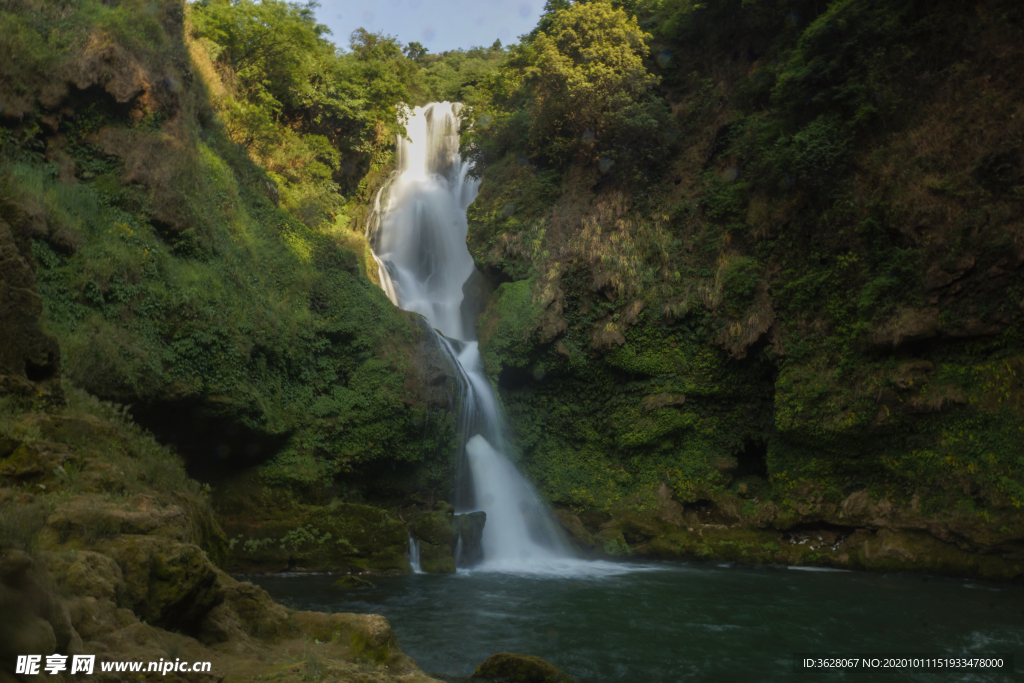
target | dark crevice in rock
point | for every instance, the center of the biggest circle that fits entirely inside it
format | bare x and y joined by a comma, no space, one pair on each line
40,373
752,460
214,446
819,532
704,509
514,378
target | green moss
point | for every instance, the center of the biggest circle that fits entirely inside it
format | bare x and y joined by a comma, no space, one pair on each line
435,528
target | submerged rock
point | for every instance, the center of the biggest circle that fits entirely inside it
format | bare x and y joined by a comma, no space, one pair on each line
349,582
507,667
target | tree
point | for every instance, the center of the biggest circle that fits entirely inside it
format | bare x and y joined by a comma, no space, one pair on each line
588,81
547,17
415,51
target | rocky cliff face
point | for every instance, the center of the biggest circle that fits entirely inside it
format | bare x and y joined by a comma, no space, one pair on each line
808,319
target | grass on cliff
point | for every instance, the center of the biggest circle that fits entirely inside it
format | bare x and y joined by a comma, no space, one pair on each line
112,459
148,465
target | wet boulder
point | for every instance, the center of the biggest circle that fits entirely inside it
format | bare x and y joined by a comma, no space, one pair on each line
469,534
573,526
435,528
436,535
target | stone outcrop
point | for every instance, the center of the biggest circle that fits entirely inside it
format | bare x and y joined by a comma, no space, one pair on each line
860,531
435,533
447,540
134,579
469,534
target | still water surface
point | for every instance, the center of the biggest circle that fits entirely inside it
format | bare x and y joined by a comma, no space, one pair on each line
668,623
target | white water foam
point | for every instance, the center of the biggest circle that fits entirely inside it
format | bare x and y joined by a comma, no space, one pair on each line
418,235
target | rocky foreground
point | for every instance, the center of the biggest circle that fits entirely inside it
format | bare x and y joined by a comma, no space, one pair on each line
126,568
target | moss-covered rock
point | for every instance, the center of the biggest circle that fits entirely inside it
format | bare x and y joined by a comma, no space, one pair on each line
167,582
437,535
437,559
435,528
507,667
87,573
860,533
572,524
335,537
30,362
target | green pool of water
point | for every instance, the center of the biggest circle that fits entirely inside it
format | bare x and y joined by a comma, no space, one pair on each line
667,623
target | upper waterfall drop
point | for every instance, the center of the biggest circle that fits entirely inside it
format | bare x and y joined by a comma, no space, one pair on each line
418,237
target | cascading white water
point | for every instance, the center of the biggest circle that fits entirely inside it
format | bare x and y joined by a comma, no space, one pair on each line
418,235
414,555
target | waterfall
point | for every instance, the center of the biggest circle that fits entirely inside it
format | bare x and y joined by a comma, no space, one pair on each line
414,555
418,237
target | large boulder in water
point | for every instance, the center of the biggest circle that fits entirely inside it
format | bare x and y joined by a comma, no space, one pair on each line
469,534
434,528
436,535
437,559
507,667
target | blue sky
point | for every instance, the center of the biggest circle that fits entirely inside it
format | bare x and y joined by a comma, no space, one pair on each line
439,24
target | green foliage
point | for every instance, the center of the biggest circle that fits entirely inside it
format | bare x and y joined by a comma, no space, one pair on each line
815,157
311,116
250,303
738,280
590,66
826,71
509,324
578,89
457,76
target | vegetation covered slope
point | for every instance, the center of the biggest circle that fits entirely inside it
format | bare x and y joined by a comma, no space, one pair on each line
195,180
767,253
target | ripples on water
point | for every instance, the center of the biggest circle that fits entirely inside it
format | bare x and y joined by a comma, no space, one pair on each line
667,623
